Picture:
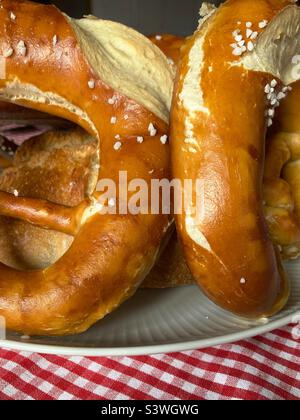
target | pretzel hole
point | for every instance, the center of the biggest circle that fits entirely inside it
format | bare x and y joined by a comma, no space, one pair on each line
48,169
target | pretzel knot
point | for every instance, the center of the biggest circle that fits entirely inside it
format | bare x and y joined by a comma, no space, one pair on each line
77,70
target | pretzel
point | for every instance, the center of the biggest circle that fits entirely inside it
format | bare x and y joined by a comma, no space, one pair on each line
218,127
89,72
279,206
280,196
281,178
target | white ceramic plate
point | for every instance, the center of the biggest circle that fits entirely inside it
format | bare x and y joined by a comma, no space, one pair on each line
163,321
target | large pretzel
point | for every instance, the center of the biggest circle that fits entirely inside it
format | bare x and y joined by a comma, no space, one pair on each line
227,88
281,183
117,86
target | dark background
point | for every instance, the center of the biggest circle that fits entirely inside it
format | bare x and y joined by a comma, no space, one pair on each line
155,16
75,8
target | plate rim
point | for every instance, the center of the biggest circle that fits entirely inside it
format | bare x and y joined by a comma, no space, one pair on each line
130,351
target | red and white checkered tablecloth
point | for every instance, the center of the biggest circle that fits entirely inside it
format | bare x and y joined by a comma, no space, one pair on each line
265,367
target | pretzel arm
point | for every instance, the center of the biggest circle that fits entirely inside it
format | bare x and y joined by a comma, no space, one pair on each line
42,213
218,132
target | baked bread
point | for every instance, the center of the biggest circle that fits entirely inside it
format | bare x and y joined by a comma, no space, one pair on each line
281,180
92,73
218,126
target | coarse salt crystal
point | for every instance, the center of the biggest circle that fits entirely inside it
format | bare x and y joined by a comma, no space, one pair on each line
237,51
8,53
254,35
112,100
91,84
164,139
281,95
238,38
152,130
118,145
274,83
21,48
249,32
267,88
236,32
263,24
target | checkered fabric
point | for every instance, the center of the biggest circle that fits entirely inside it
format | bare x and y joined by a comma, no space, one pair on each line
266,367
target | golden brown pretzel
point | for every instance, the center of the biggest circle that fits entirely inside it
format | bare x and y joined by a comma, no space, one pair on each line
281,206
280,196
218,136
75,70
282,177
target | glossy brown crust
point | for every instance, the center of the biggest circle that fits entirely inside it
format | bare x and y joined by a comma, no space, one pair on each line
43,213
170,45
282,177
111,254
281,206
237,266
